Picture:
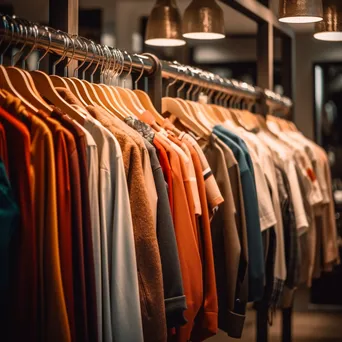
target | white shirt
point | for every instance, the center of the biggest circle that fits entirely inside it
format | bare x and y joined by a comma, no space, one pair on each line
120,289
283,158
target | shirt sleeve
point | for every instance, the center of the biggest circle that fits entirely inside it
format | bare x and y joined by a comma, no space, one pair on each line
124,288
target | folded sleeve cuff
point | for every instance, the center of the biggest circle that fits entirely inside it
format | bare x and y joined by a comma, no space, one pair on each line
175,308
234,324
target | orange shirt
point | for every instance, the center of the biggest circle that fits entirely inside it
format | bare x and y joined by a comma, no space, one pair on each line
207,320
64,214
188,190
24,296
188,252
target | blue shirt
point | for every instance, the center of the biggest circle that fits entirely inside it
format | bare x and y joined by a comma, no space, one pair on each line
9,220
256,263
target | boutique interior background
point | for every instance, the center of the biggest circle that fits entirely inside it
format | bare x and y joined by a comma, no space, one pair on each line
121,24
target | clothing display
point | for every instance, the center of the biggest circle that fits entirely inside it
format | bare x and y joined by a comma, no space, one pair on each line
121,223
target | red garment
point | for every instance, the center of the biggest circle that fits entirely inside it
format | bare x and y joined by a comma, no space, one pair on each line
3,148
23,310
188,189
90,330
165,165
206,323
187,248
64,214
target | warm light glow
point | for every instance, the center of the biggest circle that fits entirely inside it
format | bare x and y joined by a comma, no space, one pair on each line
300,20
203,35
165,42
329,36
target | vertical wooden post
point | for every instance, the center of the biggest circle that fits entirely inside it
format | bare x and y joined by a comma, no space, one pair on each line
63,15
155,83
265,55
288,69
265,79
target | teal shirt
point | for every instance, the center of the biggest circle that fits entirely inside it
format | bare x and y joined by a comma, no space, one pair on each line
9,220
256,263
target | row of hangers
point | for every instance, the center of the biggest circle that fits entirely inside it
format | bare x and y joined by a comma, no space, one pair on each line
36,89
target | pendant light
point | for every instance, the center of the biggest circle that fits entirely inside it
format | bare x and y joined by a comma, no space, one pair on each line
300,11
164,26
203,19
330,28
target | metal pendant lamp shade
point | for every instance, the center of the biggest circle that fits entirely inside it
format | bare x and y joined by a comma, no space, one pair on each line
300,11
330,28
203,19
164,26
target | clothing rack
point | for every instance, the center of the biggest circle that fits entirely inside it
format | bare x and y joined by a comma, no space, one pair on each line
15,31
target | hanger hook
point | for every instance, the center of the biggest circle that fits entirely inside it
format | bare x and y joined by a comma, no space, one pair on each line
72,54
21,29
108,63
91,62
118,67
118,63
35,35
122,57
170,85
115,63
196,92
4,21
81,40
112,66
48,48
217,97
98,48
225,100
182,85
141,73
130,68
103,60
188,93
222,97
180,89
65,47
104,65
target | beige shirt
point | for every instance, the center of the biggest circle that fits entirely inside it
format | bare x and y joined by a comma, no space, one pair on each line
266,210
268,166
214,196
283,158
226,238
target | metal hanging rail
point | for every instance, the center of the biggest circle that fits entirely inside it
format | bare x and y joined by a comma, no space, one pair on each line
15,31
206,79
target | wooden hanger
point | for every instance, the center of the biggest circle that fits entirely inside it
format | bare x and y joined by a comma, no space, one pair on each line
144,99
148,105
23,87
128,96
193,111
107,93
112,92
5,81
28,75
46,88
221,112
102,92
6,84
173,107
57,80
20,81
